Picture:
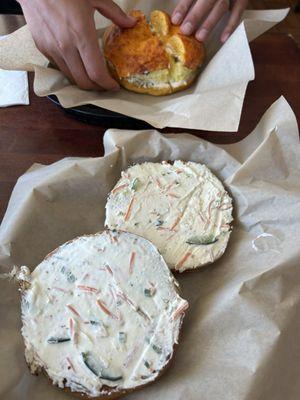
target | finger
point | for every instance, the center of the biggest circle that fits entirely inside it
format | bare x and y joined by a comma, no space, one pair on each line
196,14
180,11
94,63
113,12
43,45
62,66
235,17
75,65
211,21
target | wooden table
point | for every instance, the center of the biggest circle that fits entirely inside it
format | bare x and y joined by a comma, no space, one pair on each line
42,133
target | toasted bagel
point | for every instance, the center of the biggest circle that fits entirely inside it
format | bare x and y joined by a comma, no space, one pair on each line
152,57
182,208
101,315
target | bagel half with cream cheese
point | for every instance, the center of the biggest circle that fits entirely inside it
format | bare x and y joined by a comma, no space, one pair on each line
182,208
152,57
101,315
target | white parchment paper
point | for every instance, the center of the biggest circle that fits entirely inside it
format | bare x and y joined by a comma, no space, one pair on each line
213,103
240,338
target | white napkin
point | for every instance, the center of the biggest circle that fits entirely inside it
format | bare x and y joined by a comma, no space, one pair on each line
13,87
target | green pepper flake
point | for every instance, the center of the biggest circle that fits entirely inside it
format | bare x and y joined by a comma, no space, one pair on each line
149,292
134,184
93,322
70,277
97,369
90,362
110,378
56,340
122,337
147,365
159,222
156,348
204,240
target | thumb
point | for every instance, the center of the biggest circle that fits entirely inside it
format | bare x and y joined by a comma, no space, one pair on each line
112,11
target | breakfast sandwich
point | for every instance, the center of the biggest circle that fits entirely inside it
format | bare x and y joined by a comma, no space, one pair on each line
101,315
182,208
153,57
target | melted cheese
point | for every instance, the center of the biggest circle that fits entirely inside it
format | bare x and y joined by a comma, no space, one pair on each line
183,209
101,314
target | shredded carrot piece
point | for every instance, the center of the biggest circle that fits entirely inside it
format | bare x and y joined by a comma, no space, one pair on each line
225,226
173,195
125,175
180,310
183,260
179,171
124,297
119,188
131,262
170,185
60,289
71,324
158,183
70,363
71,308
130,356
143,314
128,212
176,222
88,289
224,209
112,237
202,217
105,309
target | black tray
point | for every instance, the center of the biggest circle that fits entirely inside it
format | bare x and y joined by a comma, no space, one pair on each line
99,116
10,7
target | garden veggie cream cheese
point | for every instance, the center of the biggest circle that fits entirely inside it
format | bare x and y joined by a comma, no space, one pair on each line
182,208
101,314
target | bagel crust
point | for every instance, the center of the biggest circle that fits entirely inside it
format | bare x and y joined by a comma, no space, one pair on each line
152,57
182,208
101,315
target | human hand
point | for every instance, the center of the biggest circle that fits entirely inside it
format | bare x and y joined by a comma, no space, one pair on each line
64,31
201,16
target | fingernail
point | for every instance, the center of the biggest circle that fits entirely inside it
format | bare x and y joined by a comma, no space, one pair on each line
201,35
187,28
176,19
224,37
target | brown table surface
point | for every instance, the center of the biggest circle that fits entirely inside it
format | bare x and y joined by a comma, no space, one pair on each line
42,133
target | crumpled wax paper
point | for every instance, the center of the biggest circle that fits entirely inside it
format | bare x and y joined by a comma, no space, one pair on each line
213,103
240,337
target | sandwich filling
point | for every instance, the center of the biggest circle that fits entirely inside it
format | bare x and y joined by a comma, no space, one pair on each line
182,208
101,314
178,75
